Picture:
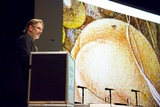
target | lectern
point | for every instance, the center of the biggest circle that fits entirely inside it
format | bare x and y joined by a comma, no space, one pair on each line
51,79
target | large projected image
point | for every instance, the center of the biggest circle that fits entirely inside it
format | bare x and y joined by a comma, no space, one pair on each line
114,53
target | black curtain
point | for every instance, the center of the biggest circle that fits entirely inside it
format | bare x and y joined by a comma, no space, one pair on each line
14,16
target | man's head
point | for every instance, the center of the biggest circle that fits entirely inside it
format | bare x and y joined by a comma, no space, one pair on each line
34,28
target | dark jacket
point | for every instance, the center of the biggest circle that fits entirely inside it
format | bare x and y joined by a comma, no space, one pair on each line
19,72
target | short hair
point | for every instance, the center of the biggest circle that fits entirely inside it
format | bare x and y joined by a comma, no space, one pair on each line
33,22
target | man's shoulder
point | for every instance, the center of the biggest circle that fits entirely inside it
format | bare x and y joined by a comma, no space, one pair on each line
25,36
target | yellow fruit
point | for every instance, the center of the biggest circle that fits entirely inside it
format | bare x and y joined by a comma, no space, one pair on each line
74,16
105,57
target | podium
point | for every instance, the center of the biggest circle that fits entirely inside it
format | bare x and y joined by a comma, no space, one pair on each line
51,79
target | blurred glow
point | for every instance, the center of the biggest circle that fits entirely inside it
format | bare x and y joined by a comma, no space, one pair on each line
67,3
124,9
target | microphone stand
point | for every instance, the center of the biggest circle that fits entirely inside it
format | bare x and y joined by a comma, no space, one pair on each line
66,48
82,95
82,92
110,96
136,96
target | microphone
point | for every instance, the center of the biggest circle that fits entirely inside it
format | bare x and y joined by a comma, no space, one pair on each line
109,89
52,39
135,90
62,45
81,87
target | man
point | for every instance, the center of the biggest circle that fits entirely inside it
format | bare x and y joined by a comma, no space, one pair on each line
18,80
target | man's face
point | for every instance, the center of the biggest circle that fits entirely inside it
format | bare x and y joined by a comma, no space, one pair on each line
36,30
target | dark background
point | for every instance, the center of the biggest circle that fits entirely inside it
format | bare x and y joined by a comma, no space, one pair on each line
152,6
14,15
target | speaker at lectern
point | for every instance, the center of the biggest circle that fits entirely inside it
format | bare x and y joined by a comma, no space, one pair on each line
51,78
